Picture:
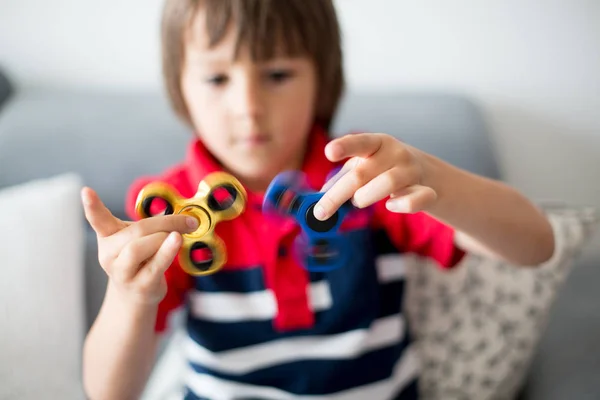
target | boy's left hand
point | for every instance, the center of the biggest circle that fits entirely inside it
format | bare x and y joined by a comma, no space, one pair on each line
379,166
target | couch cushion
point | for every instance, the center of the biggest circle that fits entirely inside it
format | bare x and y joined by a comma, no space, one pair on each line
41,293
479,325
111,139
108,139
446,125
566,365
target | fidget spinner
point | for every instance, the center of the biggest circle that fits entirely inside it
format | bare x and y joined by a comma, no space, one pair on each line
220,197
320,246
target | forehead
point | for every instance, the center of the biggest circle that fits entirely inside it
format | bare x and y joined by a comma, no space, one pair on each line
196,32
225,31
199,41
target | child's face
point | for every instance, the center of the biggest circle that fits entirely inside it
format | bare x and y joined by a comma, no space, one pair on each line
253,116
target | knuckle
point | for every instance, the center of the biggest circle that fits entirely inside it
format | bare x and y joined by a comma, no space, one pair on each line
119,271
402,154
361,140
342,145
167,255
174,222
179,223
383,138
151,291
118,275
170,223
145,287
394,178
414,175
104,260
129,253
430,195
410,204
160,259
360,176
382,141
138,229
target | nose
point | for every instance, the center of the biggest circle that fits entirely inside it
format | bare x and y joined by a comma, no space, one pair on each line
247,97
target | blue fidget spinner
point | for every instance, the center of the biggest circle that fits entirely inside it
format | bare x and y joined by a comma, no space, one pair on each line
321,246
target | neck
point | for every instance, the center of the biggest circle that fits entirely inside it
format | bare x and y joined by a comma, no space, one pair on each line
259,184
256,185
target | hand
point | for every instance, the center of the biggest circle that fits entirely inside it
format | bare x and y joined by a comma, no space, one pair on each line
379,166
135,255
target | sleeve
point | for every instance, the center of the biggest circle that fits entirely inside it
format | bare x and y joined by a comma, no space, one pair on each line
421,234
178,282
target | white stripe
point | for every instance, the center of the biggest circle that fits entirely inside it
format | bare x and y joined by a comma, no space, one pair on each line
179,395
320,296
260,306
392,267
405,371
239,307
383,332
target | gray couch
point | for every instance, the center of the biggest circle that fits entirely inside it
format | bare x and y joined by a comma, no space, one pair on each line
110,139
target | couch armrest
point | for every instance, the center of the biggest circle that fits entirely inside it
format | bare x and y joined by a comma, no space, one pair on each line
6,88
567,364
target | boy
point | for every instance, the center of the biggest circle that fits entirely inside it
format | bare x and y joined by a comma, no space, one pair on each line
259,81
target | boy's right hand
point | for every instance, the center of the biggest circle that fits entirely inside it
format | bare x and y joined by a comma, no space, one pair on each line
135,255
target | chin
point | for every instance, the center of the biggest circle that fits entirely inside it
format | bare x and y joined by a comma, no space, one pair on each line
256,171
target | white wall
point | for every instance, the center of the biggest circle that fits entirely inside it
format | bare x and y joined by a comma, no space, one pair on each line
534,66
108,44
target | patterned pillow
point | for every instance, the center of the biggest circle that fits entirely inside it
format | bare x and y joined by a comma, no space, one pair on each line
477,326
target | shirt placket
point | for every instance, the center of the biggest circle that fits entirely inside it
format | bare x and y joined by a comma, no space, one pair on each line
287,280
290,283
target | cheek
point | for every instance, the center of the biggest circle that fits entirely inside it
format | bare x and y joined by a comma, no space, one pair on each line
295,107
299,112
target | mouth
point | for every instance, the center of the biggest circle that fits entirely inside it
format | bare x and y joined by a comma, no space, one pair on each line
254,140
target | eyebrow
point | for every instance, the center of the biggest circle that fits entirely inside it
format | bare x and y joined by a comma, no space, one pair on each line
217,59
200,57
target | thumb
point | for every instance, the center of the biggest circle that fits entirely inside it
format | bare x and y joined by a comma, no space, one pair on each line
99,217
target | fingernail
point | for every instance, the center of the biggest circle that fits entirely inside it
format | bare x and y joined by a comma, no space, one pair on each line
320,213
356,199
85,198
192,222
397,205
172,237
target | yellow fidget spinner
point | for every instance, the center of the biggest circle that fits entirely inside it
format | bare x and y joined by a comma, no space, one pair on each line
220,197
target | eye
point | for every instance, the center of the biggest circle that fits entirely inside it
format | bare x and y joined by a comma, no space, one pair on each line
279,75
217,80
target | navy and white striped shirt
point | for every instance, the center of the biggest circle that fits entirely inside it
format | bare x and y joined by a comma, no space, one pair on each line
265,328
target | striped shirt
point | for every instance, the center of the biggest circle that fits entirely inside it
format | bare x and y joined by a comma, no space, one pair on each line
265,328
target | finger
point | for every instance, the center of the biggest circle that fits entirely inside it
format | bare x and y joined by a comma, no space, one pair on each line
153,271
384,185
344,189
134,254
357,145
99,217
348,165
412,199
163,223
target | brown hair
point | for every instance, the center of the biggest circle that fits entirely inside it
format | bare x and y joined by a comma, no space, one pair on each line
300,27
